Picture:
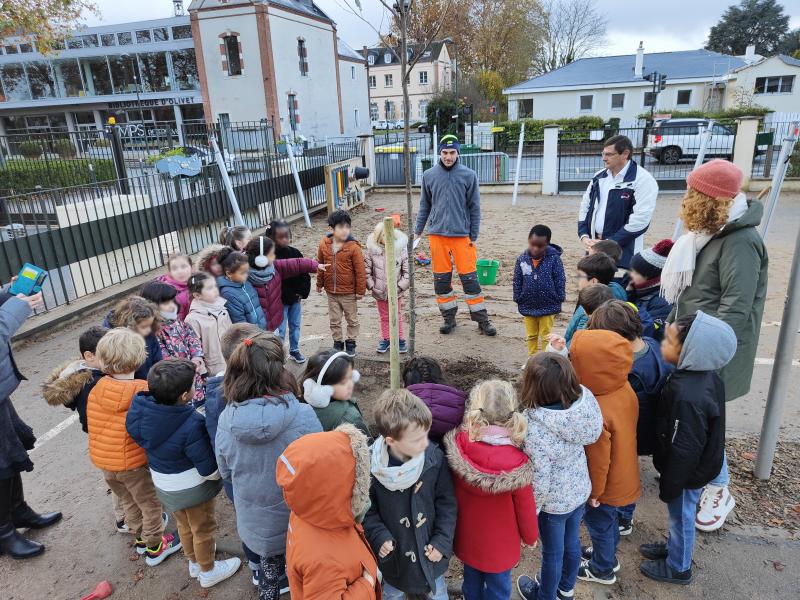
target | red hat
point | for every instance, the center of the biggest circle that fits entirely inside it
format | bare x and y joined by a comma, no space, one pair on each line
717,178
650,261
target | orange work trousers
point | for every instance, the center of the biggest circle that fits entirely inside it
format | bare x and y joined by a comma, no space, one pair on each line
445,251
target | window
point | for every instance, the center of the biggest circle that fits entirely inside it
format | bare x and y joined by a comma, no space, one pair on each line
372,82
155,76
72,44
617,101
143,36
684,97
125,74
68,78
352,72
774,85
586,102
423,78
525,108
293,118
373,111
356,118
649,99
232,57
718,129
160,34
11,49
98,78
26,48
387,58
371,59
184,66
302,54
181,32
124,38
423,110
389,108
89,41
108,39
387,80
15,83
41,80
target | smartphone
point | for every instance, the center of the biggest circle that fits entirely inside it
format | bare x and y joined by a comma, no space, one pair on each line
30,280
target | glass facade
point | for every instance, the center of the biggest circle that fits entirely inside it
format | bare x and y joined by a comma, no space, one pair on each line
184,66
40,77
155,74
15,84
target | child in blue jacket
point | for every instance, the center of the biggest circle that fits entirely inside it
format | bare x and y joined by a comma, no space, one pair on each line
243,304
539,286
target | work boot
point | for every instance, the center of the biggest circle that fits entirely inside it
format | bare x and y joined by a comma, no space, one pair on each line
486,328
17,546
448,325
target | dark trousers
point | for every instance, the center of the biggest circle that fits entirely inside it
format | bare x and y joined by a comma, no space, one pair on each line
604,531
12,500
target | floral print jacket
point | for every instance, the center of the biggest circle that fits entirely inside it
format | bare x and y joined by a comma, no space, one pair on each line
178,340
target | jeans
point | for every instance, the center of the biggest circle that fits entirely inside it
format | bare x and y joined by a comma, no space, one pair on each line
392,593
724,477
293,315
626,512
604,531
681,529
561,552
486,586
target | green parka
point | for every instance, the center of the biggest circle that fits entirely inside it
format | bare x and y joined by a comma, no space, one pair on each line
730,282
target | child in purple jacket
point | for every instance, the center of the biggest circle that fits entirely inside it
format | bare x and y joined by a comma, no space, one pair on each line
423,377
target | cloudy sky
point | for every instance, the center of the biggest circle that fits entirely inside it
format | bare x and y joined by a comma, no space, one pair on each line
683,25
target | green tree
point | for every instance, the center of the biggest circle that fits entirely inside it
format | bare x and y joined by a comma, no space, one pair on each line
753,22
48,21
791,43
441,109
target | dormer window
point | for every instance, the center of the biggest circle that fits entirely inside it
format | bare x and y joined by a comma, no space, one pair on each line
371,59
387,58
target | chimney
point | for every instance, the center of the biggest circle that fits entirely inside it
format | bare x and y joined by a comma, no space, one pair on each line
637,69
750,54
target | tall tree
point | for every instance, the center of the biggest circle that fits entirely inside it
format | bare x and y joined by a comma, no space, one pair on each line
48,21
759,22
791,43
571,29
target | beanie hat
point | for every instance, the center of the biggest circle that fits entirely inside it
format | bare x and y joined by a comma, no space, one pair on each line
449,142
650,261
717,178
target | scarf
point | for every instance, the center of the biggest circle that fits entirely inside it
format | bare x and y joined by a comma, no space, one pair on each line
495,435
394,478
263,276
679,268
646,285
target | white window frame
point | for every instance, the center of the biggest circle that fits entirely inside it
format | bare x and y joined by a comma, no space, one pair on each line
780,84
677,95
387,58
374,111
388,80
586,110
611,100
373,82
655,100
371,59
423,75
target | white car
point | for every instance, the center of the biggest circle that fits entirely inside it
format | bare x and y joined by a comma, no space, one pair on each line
383,124
672,140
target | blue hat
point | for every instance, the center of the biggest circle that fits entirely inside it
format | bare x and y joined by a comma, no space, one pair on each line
449,142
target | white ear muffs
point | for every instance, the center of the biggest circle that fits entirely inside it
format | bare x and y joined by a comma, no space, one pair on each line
261,261
356,376
318,395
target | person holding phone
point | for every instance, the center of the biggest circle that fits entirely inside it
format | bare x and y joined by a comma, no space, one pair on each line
16,437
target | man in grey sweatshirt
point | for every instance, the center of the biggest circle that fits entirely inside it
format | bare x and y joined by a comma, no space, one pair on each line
450,204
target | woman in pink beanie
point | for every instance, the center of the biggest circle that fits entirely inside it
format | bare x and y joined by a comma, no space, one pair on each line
720,266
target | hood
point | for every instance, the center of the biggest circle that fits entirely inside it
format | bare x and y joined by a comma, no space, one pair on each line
66,382
174,283
491,469
580,424
602,360
325,477
260,420
214,383
663,369
400,243
224,282
205,255
710,344
437,391
750,218
212,308
157,421
259,277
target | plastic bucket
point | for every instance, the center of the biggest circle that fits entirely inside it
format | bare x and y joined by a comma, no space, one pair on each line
487,271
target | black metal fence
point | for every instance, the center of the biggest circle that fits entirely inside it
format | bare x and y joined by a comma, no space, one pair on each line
768,147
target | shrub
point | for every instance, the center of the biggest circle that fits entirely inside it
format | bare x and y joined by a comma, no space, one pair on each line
30,150
65,149
19,176
574,130
101,143
726,115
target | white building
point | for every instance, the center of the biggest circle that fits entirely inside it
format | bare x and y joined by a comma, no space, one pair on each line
773,82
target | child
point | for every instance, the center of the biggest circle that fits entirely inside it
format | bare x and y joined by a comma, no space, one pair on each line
690,436
243,304
412,518
595,268
346,281
327,555
113,451
614,251
236,237
602,361
207,260
328,387
141,316
182,464
645,284
179,270
496,509
423,377
562,417
177,340
539,286
293,290
209,319
266,275
261,419
377,274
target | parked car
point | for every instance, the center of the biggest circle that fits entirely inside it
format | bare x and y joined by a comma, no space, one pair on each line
383,124
671,140
421,127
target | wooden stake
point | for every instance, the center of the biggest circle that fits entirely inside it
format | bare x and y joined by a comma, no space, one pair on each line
391,287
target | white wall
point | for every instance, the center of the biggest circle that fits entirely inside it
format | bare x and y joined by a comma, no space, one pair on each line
771,67
354,97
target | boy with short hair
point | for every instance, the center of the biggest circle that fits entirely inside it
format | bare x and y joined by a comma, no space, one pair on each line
182,463
345,281
594,268
539,286
121,352
411,523
614,251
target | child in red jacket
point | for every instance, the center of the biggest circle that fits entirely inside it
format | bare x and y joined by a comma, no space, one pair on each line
493,483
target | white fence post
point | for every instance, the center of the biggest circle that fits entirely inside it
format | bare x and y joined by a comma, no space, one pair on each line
745,146
368,148
519,163
550,160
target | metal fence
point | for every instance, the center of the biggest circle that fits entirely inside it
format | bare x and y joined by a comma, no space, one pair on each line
94,235
768,146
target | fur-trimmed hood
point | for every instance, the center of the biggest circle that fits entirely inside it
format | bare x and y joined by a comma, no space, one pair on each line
205,256
66,382
400,244
490,469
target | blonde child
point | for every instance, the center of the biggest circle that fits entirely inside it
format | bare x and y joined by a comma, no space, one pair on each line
209,319
492,479
140,316
179,269
236,237
377,275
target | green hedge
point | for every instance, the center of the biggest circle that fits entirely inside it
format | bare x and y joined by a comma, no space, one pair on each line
576,129
20,176
725,115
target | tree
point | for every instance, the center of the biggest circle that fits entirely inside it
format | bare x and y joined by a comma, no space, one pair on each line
48,21
571,29
753,22
791,43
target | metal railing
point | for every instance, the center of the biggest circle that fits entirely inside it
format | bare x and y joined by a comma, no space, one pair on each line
768,146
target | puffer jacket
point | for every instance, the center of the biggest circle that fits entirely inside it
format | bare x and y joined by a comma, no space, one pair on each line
445,403
375,264
210,322
325,479
496,509
69,386
268,285
251,435
647,378
602,360
540,290
649,300
295,289
555,444
346,274
111,448
183,299
243,305
178,340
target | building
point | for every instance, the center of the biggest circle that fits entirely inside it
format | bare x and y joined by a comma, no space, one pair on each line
614,86
432,73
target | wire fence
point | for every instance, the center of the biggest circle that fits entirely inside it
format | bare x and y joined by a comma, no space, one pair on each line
768,146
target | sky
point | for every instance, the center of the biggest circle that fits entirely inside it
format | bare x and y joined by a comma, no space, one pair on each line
683,26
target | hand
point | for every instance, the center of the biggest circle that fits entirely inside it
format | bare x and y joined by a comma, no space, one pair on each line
198,363
587,242
386,549
34,301
323,267
432,554
365,574
557,342
593,502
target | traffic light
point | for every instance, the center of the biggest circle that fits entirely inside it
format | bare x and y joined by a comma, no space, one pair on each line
650,76
662,82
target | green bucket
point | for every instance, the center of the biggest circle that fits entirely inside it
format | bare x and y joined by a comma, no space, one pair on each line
487,271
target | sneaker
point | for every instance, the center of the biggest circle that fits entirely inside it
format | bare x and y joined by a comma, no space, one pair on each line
194,570
122,527
528,588
350,348
655,551
403,347
383,347
586,573
338,346
297,357
221,571
661,571
625,526
140,546
560,594
486,328
256,577
586,556
170,544
715,505
283,584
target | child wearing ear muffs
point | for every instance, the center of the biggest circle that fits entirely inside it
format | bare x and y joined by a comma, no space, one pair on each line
328,387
